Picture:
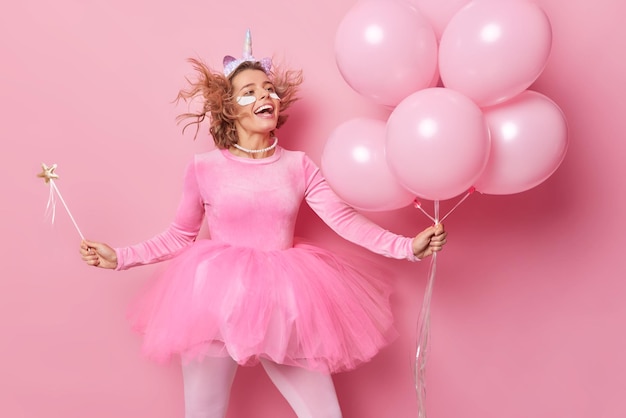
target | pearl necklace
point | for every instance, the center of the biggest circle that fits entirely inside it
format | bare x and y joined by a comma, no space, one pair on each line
257,151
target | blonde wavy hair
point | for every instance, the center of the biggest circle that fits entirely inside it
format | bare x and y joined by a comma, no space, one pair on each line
218,101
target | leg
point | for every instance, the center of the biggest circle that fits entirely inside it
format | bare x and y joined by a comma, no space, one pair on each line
207,386
310,394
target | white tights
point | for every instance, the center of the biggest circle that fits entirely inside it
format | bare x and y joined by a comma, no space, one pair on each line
207,388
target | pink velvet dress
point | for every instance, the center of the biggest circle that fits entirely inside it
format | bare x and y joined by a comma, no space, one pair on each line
252,290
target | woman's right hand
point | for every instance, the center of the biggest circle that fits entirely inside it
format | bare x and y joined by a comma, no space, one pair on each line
429,241
98,254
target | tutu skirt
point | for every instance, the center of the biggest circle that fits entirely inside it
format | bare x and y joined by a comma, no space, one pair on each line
303,306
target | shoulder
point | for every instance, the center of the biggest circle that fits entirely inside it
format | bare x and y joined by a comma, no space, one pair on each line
300,162
206,163
208,157
299,157
291,154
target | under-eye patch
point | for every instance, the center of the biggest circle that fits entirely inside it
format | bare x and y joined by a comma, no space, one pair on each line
246,100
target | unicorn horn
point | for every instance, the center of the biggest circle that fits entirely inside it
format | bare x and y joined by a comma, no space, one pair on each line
247,46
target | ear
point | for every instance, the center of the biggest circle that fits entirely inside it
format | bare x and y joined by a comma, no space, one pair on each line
228,59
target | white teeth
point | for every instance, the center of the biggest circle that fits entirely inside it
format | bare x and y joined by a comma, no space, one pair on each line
264,107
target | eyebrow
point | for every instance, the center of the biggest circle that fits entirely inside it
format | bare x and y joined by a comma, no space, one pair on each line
252,84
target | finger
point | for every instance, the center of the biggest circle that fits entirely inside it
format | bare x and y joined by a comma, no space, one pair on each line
431,231
438,238
86,248
437,244
93,262
89,254
91,245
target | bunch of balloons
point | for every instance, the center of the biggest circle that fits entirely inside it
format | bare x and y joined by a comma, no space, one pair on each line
455,75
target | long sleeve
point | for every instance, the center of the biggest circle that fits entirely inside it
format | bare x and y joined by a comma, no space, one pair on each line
181,232
347,222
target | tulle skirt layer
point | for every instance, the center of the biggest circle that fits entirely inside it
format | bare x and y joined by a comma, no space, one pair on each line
303,306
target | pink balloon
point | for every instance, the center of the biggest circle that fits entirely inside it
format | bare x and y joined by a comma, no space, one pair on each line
437,143
386,50
439,12
492,50
354,164
528,143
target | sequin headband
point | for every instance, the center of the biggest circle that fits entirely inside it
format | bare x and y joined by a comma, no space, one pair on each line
231,63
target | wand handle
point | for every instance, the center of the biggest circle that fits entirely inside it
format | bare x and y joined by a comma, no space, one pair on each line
56,189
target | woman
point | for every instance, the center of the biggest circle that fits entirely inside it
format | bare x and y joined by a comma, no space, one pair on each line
252,293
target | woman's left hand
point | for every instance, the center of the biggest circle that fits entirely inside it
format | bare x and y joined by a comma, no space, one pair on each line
429,241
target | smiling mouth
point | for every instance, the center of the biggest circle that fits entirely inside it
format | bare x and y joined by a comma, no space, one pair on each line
265,109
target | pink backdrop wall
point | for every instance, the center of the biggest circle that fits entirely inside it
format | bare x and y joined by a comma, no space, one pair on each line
528,309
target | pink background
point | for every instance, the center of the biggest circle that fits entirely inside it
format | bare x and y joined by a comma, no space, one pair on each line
528,315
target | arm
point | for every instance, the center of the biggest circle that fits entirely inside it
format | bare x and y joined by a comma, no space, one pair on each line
181,233
356,228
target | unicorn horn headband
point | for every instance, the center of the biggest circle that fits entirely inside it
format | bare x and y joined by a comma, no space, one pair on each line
231,63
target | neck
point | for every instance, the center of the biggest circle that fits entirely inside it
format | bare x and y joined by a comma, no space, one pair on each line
260,148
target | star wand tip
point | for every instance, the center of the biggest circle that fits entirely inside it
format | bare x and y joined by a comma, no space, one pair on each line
47,173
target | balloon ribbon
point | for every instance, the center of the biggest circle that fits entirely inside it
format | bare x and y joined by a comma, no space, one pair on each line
423,331
423,322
